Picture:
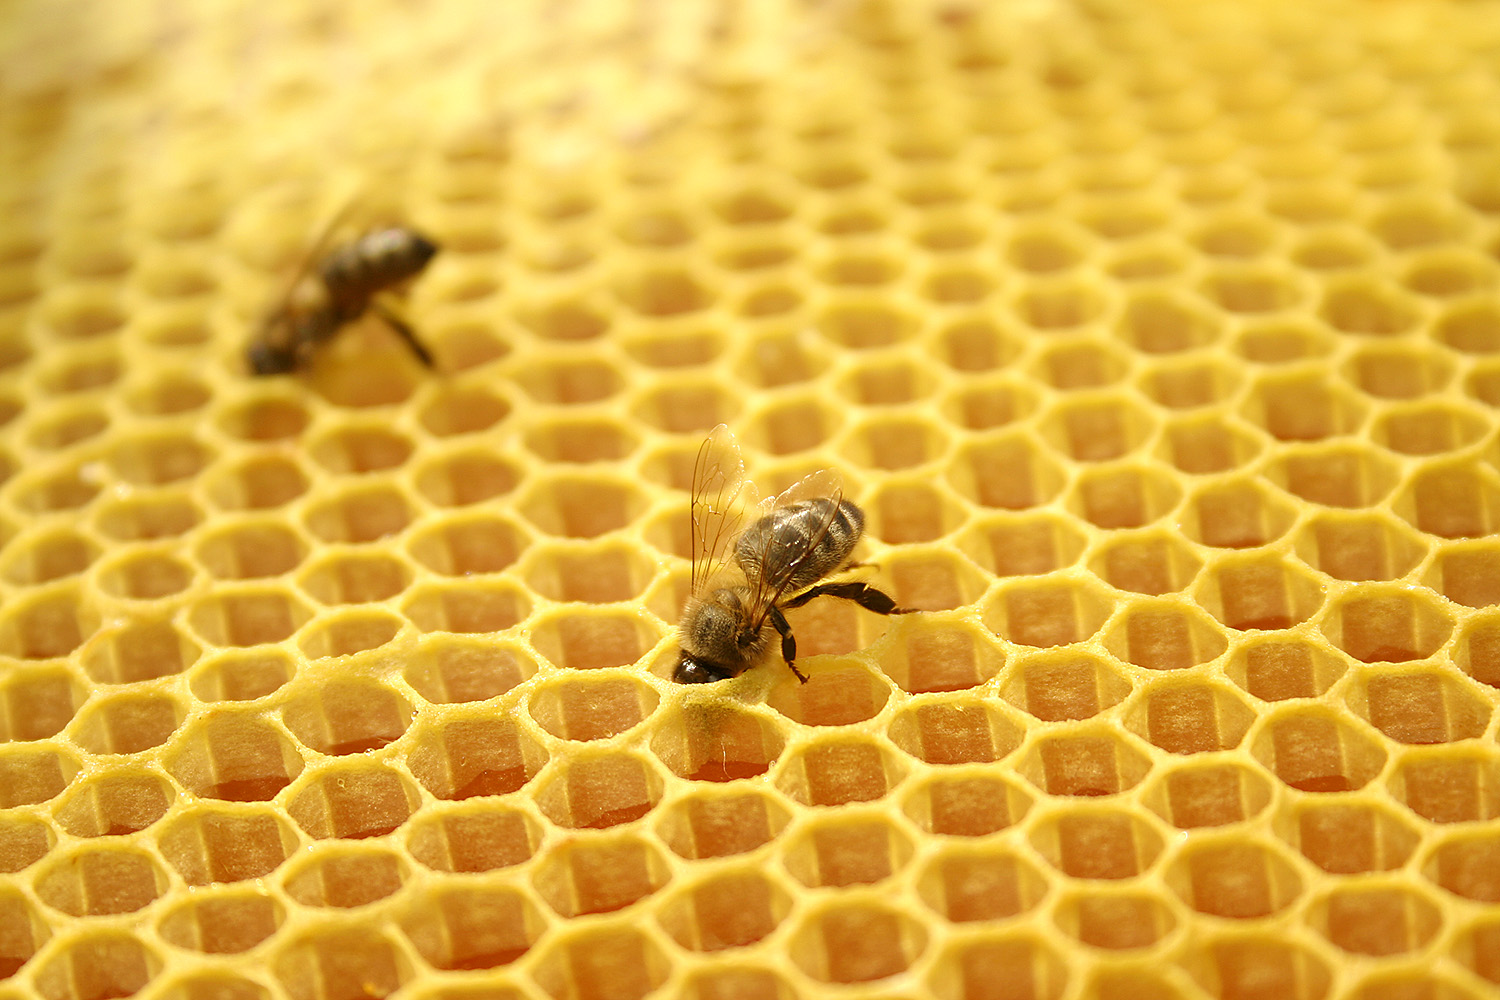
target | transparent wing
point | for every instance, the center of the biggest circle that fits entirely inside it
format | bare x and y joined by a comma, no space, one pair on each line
312,256
719,498
788,546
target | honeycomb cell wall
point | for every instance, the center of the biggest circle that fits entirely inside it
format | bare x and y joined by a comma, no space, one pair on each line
1159,341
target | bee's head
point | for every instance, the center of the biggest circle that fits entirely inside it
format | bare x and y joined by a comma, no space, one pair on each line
266,358
691,670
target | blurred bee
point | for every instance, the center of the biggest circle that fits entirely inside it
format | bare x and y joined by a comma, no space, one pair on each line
332,289
805,534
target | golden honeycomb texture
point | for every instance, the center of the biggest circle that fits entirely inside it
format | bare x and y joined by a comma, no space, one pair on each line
1159,340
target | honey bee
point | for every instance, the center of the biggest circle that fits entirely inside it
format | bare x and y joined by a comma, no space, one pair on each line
805,534
332,289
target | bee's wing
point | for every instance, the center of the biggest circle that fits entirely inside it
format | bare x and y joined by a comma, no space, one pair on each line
311,257
720,494
786,551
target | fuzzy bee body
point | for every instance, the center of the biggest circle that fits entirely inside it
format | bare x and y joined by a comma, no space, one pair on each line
805,535
339,290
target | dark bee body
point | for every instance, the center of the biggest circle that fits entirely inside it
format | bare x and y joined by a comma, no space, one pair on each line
340,290
729,628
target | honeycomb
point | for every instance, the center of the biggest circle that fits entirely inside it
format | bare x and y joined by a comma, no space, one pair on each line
1158,339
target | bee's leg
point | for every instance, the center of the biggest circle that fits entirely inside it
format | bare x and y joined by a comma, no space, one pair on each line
862,594
788,642
404,331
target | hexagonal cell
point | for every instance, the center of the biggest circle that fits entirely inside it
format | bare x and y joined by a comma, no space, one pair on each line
932,580
954,731
159,459
450,670
1154,323
1454,500
1234,877
858,323
713,742
983,405
1387,625
1095,843
24,933
1348,838
857,943
602,963
1023,967
462,840
851,850
1096,430
1188,718
1376,920
247,617
1471,327
1335,477
466,928
353,802
1275,670
1365,307
1398,372
1047,614
258,483
580,441
235,757
464,758
776,359
1115,920
895,443
939,657
356,578
838,771
1254,593
1123,497
99,881
355,516
108,806
128,723
591,640
33,559
599,876
145,576
600,791
266,418
795,425
686,407
30,776
589,572
354,450
728,910
68,489
592,708
1089,762
1466,865
97,966
1057,305
225,922
1477,652
136,520
887,382
1428,429
717,825
976,345
1314,750
1026,545
81,371
466,607
677,350
1145,564
1358,547
1467,574
582,508
1249,965
138,651
463,411
226,844
37,704
1302,408
1009,473
1081,364
47,625
1426,706
341,961
241,676
967,884
1160,635
461,478
1206,795
468,546
1056,687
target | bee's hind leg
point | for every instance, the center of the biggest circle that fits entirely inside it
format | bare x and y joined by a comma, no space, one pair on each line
788,642
405,332
862,594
